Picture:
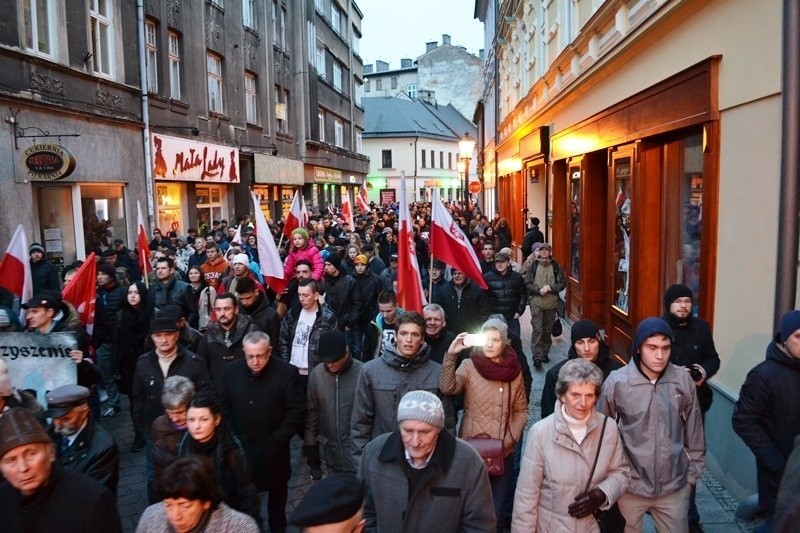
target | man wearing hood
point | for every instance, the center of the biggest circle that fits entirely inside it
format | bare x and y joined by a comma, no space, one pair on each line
255,304
655,405
586,344
402,367
767,414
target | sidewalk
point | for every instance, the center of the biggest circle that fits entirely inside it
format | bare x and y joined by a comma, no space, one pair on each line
717,507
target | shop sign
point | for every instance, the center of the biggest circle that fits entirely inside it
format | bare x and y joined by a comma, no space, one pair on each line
434,184
178,159
47,162
474,187
327,175
277,170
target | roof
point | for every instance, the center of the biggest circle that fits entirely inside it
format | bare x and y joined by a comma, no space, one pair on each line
395,117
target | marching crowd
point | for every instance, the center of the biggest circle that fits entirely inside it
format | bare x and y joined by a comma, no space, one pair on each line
409,421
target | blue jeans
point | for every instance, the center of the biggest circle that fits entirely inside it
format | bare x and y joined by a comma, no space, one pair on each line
353,338
513,325
149,470
107,368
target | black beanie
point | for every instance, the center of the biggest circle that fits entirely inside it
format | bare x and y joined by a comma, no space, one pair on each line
674,292
334,499
583,329
335,259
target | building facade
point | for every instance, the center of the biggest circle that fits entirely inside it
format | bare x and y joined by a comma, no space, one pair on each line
648,134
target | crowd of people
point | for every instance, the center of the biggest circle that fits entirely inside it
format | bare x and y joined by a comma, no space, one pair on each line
410,420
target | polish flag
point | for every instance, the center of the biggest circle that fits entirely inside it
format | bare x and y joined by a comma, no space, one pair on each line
82,290
237,237
347,211
451,245
142,243
15,269
268,257
361,200
298,216
409,282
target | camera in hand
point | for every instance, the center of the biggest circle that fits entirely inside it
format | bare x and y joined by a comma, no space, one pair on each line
696,374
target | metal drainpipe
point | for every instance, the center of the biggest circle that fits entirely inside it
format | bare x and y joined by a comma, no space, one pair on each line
786,275
148,174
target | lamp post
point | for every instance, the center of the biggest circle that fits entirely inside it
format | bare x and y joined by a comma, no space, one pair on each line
465,148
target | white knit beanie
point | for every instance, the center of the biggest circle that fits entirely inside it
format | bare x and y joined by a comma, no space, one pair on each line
423,406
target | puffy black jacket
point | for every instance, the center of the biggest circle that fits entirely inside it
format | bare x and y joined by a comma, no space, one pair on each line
174,292
343,299
44,276
369,287
767,418
264,316
217,353
692,343
107,305
507,293
326,321
467,312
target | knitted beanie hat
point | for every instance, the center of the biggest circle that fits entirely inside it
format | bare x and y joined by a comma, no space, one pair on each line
423,406
303,232
674,292
583,329
790,322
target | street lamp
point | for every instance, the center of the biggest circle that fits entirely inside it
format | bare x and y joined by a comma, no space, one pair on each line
465,148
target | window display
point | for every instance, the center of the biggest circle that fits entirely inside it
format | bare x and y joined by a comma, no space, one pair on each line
622,232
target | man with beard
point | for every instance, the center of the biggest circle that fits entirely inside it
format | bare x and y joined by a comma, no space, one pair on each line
108,303
82,445
368,285
403,366
222,342
264,401
437,337
544,280
464,303
254,304
167,290
215,266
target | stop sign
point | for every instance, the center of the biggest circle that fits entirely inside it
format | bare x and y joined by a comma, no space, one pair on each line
474,187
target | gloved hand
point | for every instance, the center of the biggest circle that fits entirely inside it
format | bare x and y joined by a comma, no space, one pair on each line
586,504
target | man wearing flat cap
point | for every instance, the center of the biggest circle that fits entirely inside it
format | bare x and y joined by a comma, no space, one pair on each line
420,478
39,495
81,444
334,505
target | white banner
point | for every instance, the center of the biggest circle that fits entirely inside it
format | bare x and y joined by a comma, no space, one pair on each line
180,159
39,362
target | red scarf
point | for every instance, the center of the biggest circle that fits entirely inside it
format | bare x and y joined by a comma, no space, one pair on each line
506,370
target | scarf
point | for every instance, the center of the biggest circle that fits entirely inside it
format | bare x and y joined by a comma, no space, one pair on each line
506,370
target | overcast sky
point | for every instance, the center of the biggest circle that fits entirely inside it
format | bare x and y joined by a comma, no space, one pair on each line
395,29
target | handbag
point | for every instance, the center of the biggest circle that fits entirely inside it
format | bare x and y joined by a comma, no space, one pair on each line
610,520
557,329
491,449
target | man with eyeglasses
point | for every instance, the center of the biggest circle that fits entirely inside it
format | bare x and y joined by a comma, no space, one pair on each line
264,400
693,349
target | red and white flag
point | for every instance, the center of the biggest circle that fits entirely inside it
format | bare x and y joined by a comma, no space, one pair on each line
298,216
237,237
361,200
268,257
15,269
82,291
142,243
450,244
347,211
409,282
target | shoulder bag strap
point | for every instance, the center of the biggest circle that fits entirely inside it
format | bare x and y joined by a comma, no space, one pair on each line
597,455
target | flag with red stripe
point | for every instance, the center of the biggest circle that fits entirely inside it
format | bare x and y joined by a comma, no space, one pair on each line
450,244
409,282
15,269
268,257
298,216
81,292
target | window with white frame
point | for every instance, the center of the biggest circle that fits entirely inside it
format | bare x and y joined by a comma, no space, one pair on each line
101,27
321,125
320,60
214,71
274,21
359,142
356,44
250,98
359,92
151,56
174,66
217,2
411,90
338,132
337,76
249,14
320,6
366,86
286,102
283,29
39,20
336,18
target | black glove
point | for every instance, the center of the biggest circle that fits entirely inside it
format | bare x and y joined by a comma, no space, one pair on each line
586,504
311,453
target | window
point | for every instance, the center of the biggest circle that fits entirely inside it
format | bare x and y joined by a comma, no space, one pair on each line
450,160
424,159
274,21
174,66
250,98
338,132
151,56
281,110
321,124
366,86
283,28
336,18
441,159
320,5
394,83
337,76
214,72
433,159
101,28
386,159
286,101
217,2
38,17
411,90
320,60
359,142
356,44
379,85
249,14
359,92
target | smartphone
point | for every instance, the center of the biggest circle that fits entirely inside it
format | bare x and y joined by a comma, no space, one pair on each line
475,339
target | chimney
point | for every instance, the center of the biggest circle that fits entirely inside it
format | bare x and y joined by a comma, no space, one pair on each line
481,53
445,39
431,46
368,69
406,63
429,97
381,66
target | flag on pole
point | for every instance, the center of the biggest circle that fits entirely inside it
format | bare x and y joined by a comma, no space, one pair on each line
347,211
298,216
409,282
15,269
81,292
361,199
268,257
451,245
142,244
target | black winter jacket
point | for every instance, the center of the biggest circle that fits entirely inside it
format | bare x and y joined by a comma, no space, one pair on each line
369,287
507,293
174,292
692,343
93,452
217,355
264,316
343,299
44,276
108,303
326,321
467,312
767,418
